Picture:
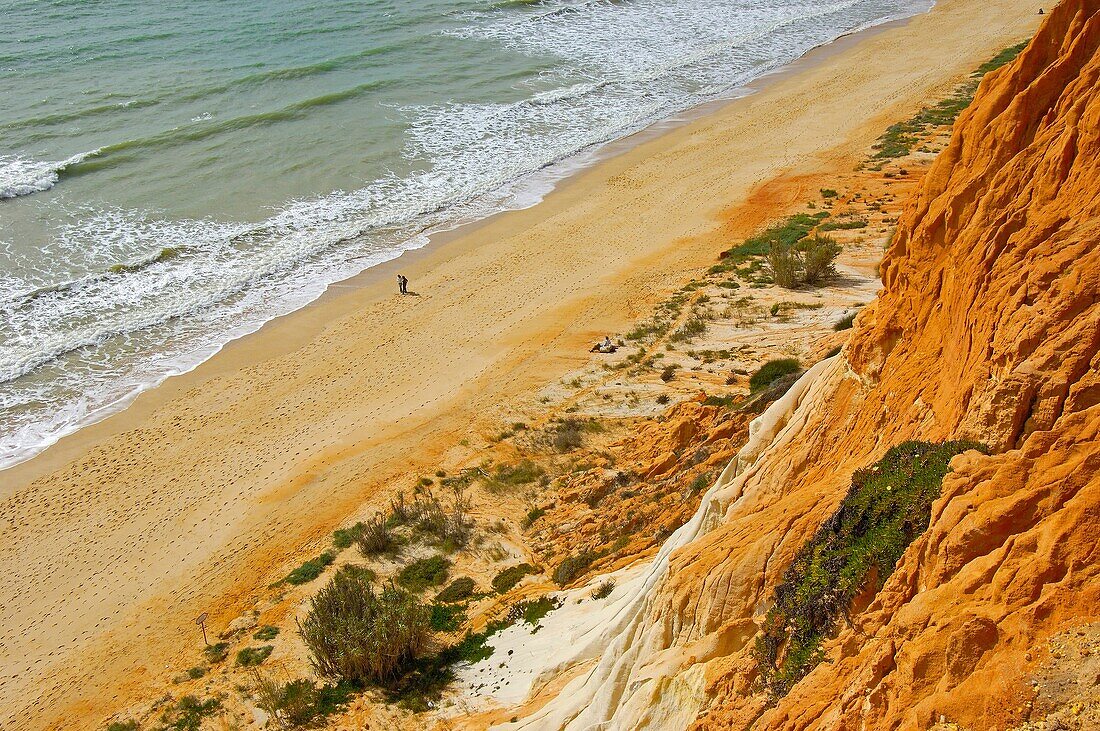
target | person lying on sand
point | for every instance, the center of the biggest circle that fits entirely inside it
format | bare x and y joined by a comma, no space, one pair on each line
605,346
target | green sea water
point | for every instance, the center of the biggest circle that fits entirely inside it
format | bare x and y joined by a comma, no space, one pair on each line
173,175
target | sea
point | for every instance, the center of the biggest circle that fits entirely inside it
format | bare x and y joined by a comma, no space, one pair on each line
175,174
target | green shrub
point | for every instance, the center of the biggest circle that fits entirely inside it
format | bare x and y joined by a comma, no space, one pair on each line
788,233
784,266
532,612
845,322
421,574
217,652
250,656
196,672
569,434
361,635
771,371
521,474
668,373
187,713
532,515
828,193
265,633
311,569
818,259
573,566
375,537
604,589
343,537
511,576
130,725
298,703
888,505
446,617
694,327
456,591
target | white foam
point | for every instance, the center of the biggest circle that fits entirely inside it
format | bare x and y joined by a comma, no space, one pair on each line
23,176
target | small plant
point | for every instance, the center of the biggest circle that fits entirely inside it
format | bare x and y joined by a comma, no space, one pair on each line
523,473
569,434
511,576
421,574
361,635
534,611
845,322
266,633
573,566
374,537
298,703
772,371
187,713
251,656
216,653
196,672
828,193
532,515
604,589
457,591
663,399
343,537
311,569
700,483
447,617
668,373
130,725
694,327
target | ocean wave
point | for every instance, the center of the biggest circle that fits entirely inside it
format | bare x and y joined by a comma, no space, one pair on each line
21,176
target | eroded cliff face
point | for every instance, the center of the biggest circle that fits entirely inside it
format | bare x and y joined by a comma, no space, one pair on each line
988,329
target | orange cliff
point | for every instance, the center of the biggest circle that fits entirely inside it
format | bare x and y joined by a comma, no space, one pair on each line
988,329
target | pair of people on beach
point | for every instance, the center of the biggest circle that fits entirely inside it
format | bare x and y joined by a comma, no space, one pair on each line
402,284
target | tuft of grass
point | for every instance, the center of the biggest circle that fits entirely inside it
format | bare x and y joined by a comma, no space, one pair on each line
311,569
828,193
129,725
299,703
604,589
421,574
845,323
772,371
446,617
887,506
375,537
456,591
569,434
217,652
265,633
573,566
187,713
523,473
511,576
196,672
251,656
532,515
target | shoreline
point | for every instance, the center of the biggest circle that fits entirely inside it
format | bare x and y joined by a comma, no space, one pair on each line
548,181
223,476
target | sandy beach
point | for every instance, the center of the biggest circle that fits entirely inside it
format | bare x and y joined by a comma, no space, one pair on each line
219,481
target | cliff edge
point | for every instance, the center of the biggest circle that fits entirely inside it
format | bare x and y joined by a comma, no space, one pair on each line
987,330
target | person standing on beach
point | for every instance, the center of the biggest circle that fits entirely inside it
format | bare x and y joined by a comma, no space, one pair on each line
402,284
